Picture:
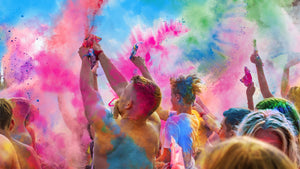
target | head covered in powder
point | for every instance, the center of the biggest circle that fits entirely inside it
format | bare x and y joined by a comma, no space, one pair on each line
184,90
284,107
5,113
139,100
21,106
294,96
244,153
232,118
272,127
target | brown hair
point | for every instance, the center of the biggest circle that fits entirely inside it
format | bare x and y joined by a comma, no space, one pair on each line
5,113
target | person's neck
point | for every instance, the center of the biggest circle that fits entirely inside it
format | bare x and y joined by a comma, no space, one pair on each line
5,133
185,109
134,121
20,128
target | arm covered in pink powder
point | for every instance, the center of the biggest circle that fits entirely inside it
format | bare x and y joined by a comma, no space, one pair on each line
115,78
94,111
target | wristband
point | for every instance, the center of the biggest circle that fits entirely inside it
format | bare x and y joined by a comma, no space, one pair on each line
85,56
98,52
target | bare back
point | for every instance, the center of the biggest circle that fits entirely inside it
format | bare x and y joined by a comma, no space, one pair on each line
26,155
8,155
129,144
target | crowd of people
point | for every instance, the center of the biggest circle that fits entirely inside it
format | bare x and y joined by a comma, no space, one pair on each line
140,133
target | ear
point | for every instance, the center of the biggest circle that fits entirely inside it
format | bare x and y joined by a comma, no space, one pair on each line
232,133
129,104
178,97
12,125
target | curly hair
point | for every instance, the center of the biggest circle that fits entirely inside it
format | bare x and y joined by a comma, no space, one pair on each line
187,87
284,107
148,93
5,113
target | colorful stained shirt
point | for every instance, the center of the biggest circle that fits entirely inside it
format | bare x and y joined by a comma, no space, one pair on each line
184,129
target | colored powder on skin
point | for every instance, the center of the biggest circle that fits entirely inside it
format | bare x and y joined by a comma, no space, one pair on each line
161,59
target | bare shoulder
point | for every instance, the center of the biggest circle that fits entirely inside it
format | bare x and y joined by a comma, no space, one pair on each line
26,155
8,155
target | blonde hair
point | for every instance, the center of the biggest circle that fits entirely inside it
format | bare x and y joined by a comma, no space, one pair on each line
245,153
264,119
294,96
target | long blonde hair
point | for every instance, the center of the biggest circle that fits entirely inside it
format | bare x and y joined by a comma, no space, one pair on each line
244,153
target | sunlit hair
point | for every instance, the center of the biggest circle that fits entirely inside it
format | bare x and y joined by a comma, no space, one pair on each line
284,107
148,94
234,116
5,113
187,87
274,120
294,96
244,153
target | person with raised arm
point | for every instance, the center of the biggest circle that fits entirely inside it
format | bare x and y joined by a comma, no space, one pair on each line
263,84
290,93
128,141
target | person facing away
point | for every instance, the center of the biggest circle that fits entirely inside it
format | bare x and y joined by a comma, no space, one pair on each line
8,155
130,140
271,127
22,109
27,157
232,118
244,153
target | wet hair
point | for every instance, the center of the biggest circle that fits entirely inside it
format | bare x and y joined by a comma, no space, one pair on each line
234,116
187,87
148,94
5,113
284,107
274,120
244,153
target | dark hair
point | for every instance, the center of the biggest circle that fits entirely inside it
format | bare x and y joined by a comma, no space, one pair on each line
234,116
5,113
148,94
284,107
187,87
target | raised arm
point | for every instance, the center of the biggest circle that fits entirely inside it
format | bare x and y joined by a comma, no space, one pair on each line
249,92
94,110
204,112
116,80
263,84
139,62
285,86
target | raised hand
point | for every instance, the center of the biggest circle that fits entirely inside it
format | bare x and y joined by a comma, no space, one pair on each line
138,61
255,58
83,51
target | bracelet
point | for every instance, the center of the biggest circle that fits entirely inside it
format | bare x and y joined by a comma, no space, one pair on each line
85,56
